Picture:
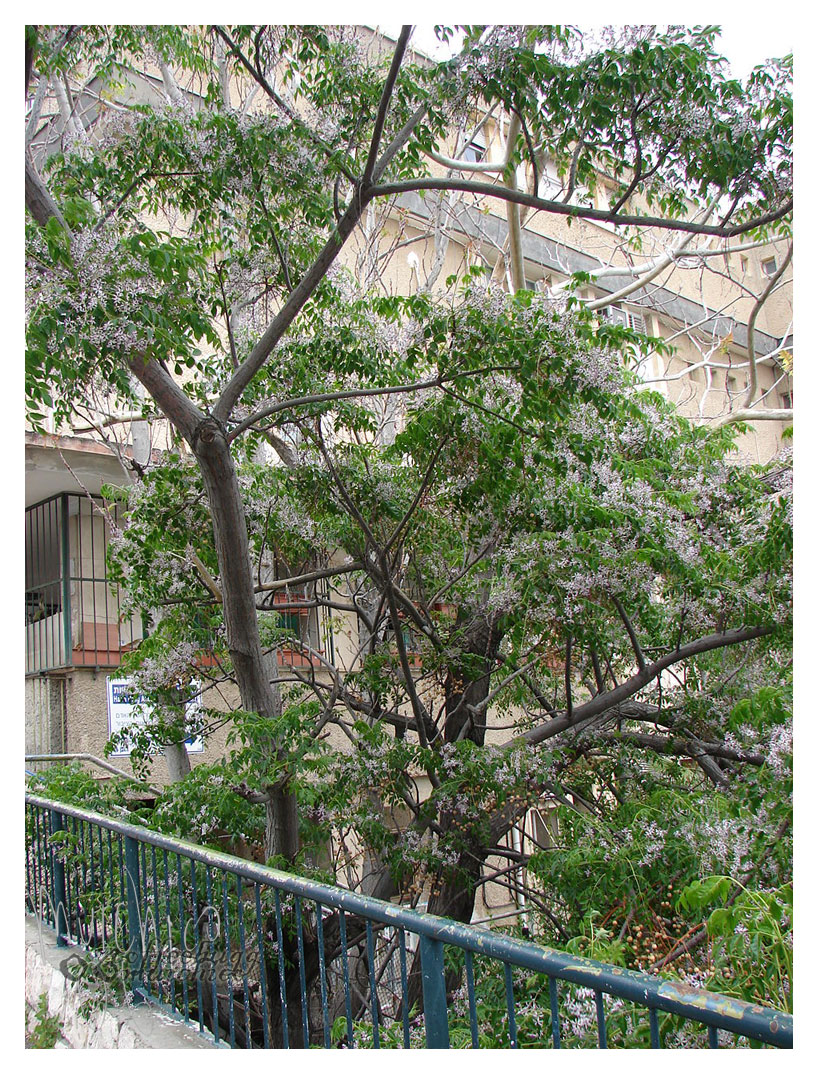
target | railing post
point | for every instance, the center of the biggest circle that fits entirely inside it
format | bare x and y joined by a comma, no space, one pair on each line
134,914
58,883
65,578
433,977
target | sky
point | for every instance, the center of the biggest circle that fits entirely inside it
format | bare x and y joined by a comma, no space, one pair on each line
745,42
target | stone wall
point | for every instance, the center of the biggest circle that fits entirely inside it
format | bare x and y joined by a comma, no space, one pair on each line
142,1026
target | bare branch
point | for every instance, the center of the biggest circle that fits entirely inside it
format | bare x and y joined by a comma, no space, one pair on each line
380,119
749,414
651,273
310,576
206,576
752,387
577,211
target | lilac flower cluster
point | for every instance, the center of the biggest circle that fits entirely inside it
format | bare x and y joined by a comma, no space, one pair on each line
107,308
779,747
654,837
165,672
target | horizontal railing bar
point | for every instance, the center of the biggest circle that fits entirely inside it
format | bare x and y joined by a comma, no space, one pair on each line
673,997
92,759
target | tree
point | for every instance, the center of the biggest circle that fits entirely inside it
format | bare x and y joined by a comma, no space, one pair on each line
467,474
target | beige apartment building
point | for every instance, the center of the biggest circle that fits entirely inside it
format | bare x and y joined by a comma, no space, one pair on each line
696,294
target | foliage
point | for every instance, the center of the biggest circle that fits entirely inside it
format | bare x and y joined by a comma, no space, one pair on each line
46,1029
205,808
644,864
752,939
72,783
679,73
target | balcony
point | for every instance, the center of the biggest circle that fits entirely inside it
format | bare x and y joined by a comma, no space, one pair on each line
311,633
73,613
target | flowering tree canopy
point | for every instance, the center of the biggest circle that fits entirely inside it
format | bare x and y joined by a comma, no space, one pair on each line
547,575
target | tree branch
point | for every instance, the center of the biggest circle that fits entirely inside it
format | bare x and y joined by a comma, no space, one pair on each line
515,242
424,484
749,414
311,576
677,748
383,107
39,201
637,649
752,387
603,702
296,301
398,141
280,102
327,397
578,211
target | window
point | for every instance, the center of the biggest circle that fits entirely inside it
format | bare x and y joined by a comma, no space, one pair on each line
550,183
303,624
786,400
410,642
735,384
616,315
475,151
637,323
769,266
743,263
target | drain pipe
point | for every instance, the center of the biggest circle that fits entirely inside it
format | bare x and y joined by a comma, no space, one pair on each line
519,894
93,760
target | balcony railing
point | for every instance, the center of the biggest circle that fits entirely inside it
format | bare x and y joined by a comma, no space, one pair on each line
262,958
73,613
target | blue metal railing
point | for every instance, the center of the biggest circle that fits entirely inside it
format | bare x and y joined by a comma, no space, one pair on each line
261,958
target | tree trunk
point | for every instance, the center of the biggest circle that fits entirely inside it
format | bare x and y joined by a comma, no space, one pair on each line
177,761
258,694
467,685
455,899
454,896
281,824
